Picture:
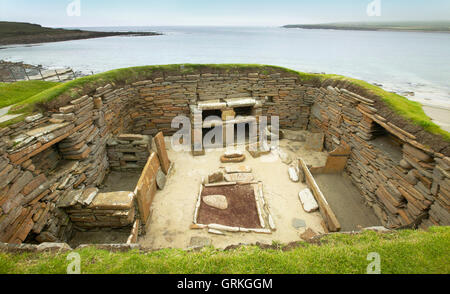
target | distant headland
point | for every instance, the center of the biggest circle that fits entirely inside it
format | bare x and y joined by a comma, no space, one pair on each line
435,26
26,33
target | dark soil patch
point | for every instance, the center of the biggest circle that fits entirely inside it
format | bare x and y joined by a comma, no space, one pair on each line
241,211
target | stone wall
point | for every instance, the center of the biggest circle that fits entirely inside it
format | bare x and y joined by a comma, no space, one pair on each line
158,101
128,151
405,182
53,155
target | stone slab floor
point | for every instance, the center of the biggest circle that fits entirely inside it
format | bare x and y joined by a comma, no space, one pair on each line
173,208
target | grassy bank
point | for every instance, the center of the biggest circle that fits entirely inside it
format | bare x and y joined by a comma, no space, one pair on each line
406,108
12,93
401,252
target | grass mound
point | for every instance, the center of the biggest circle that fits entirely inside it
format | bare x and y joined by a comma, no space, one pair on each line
405,252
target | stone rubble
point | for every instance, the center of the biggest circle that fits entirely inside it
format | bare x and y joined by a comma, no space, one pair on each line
294,173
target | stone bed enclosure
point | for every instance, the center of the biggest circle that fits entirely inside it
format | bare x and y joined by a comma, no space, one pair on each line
53,163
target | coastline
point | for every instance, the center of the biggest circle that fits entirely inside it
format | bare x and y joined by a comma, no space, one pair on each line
70,36
14,33
422,27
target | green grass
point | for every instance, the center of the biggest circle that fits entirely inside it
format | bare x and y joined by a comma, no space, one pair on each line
407,252
406,108
12,93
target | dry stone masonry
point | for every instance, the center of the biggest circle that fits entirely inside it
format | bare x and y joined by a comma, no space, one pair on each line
404,181
53,162
128,151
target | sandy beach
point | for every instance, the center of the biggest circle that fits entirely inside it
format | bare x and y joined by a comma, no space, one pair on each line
439,115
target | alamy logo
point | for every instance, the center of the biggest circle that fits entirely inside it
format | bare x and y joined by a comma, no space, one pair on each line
74,268
374,8
74,8
375,266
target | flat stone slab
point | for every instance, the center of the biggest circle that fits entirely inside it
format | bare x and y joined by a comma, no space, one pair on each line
212,105
298,223
215,177
293,173
240,102
224,159
239,177
216,201
314,141
46,246
113,200
308,201
197,242
45,130
258,149
233,153
88,196
215,232
284,157
299,136
70,199
162,152
130,137
33,118
238,169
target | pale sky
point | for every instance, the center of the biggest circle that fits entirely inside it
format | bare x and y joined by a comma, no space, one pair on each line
215,12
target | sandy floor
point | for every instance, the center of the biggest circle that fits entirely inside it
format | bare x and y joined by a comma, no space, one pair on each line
120,181
346,202
173,208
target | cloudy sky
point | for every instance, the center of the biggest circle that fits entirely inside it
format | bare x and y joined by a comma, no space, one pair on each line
216,12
